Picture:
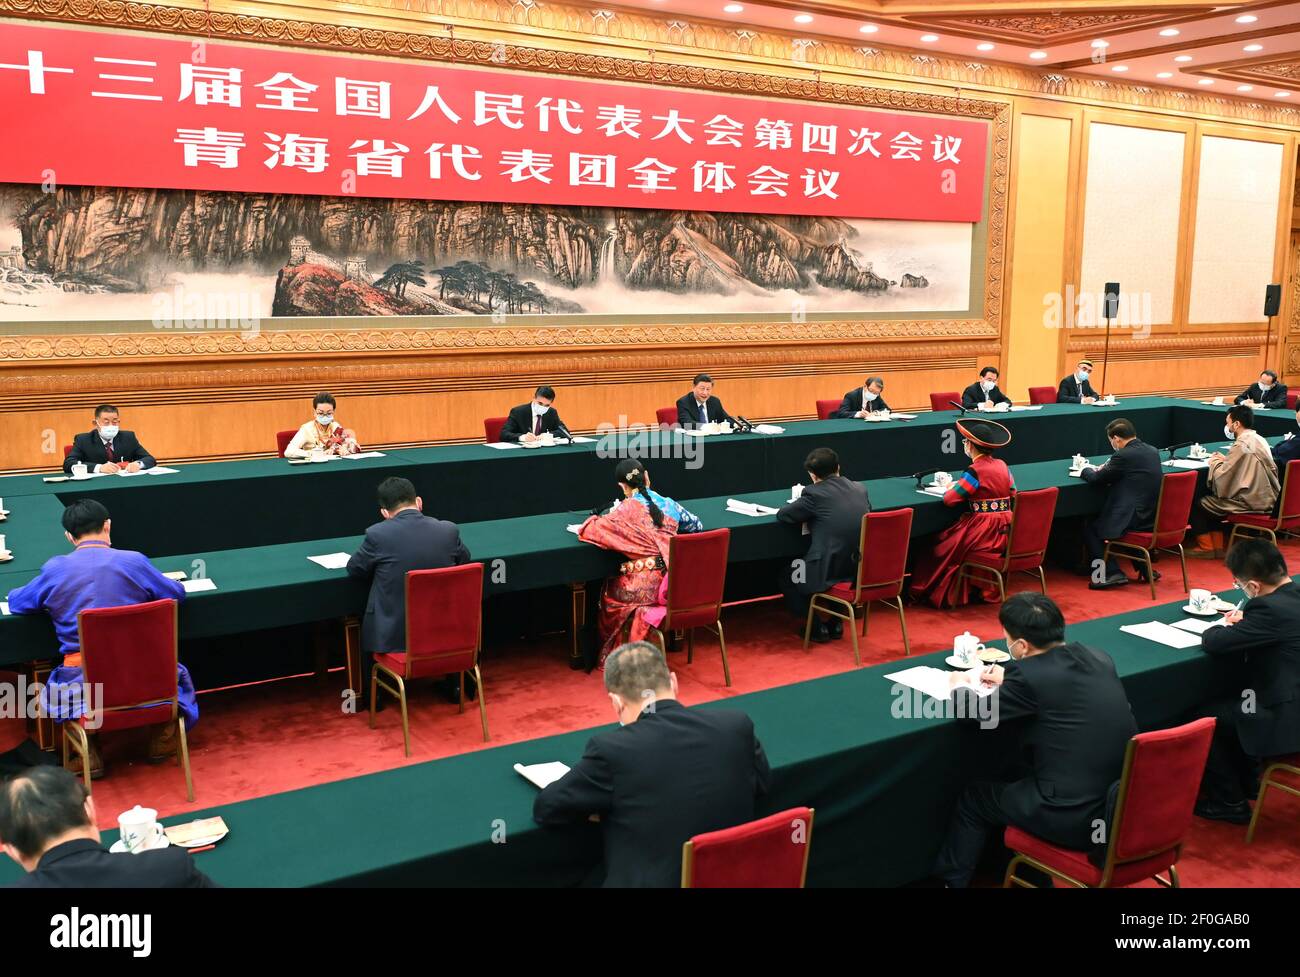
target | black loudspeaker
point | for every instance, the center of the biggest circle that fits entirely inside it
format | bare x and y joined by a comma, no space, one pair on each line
1112,301
1272,299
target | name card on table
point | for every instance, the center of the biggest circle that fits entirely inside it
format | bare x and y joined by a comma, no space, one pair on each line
199,585
1163,634
542,775
331,561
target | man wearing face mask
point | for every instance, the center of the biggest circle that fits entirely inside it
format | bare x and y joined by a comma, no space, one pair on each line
1264,637
665,775
984,394
863,400
1075,389
1243,480
1265,392
530,421
1288,449
106,448
1132,476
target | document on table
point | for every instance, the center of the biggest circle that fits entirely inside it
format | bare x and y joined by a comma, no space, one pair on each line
768,429
1020,407
331,561
502,445
364,454
1163,634
749,508
575,528
1190,463
542,775
934,682
161,470
903,417
198,585
1197,625
123,473
935,490
4,608
583,440
177,575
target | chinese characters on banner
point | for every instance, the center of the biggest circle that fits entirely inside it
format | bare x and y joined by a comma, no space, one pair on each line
128,110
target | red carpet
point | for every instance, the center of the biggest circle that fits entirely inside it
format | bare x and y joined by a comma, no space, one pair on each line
293,733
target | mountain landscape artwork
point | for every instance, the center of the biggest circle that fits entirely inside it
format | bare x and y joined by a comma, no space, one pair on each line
133,254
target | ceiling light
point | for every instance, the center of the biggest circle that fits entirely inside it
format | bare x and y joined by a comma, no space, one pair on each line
1165,74
1169,32
929,38
1281,94
1100,43
1245,88
1038,55
1253,47
803,18
1183,58
868,28
1247,19
986,46
1120,67
1206,81
733,8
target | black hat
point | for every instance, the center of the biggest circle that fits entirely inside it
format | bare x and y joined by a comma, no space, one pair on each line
985,434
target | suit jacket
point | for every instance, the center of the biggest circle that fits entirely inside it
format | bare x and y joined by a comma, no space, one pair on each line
1069,391
1133,474
1267,638
852,403
1276,396
974,395
1285,451
833,509
86,864
672,774
688,411
408,541
1077,724
520,422
89,448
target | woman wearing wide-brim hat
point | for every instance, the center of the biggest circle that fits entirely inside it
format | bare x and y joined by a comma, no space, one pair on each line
985,490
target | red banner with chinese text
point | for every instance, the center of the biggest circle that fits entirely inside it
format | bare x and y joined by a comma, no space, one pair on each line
129,110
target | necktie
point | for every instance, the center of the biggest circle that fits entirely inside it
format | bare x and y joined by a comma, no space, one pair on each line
108,449
704,412
537,423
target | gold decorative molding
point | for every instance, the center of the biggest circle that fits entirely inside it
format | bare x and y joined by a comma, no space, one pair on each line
1054,26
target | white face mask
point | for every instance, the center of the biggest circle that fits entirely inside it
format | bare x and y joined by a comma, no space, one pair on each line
1265,387
868,396
108,433
1082,377
324,420
539,409
1228,433
988,385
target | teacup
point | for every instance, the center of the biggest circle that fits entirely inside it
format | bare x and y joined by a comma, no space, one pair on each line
943,479
140,829
4,550
318,454
1201,601
795,492
966,649
79,470
1196,451
724,427
1077,462
1218,401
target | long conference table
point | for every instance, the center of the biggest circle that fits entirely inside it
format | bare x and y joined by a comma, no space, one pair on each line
882,778
273,583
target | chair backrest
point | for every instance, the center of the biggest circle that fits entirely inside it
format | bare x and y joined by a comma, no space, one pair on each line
1157,791
1292,398
1031,522
667,415
825,408
444,617
697,575
1288,511
885,535
942,399
770,853
67,450
492,428
282,439
1042,395
130,652
1174,508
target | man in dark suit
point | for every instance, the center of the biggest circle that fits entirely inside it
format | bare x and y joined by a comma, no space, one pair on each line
406,540
1264,392
106,448
665,775
832,507
528,422
1133,474
1076,726
1076,389
984,392
700,406
1288,449
47,825
863,400
1264,719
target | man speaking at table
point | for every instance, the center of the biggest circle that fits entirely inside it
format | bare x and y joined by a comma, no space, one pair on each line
700,406
863,400
530,421
106,449
984,392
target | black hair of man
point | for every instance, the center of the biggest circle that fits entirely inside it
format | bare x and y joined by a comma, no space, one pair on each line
1257,559
545,391
1121,428
634,669
84,517
822,462
105,409
1244,415
701,378
38,805
1034,618
395,492
989,369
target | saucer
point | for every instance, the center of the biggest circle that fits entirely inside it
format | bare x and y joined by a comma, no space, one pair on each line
319,461
1213,612
119,847
530,444
992,656
956,662
6,556
300,461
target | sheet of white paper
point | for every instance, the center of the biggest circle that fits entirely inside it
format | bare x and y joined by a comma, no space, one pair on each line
1163,634
692,432
87,476
583,440
749,508
4,607
1019,407
903,417
161,470
1197,625
768,429
502,445
364,454
933,682
1186,463
200,584
177,575
1104,403
331,561
574,528
126,474
935,490
542,774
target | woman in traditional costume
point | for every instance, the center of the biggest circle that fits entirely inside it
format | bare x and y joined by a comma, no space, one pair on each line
639,526
322,433
985,491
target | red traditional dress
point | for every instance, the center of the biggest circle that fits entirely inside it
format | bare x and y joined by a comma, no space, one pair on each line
638,590
986,489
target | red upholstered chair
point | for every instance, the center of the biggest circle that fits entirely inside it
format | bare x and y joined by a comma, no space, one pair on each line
67,450
1157,791
1287,764
444,632
1172,510
282,439
1287,519
1042,395
131,654
770,853
1031,525
667,416
697,573
942,400
1292,398
887,534
492,428
825,408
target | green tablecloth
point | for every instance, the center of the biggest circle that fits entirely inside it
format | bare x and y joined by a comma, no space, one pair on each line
267,501
883,786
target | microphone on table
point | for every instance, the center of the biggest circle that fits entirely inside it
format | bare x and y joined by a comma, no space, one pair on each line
920,475
1174,447
744,424
958,406
565,431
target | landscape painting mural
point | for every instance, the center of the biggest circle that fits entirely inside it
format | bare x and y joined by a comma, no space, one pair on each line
133,254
